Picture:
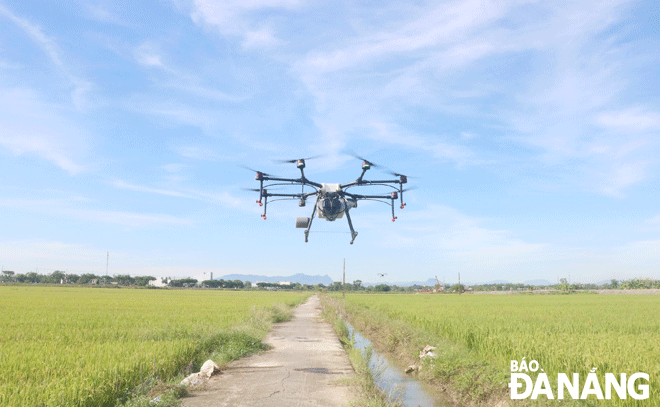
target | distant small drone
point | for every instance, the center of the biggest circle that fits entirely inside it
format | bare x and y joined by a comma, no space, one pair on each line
332,200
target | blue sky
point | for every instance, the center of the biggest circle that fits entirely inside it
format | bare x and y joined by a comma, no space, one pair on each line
532,128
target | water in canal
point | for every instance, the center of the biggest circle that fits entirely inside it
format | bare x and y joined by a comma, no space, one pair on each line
397,386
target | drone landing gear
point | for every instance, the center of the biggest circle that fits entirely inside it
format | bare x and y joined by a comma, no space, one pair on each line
350,224
309,225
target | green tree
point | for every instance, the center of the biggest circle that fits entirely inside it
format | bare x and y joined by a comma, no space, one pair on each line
33,277
7,276
184,282
143,281
87,278
56,277
457,288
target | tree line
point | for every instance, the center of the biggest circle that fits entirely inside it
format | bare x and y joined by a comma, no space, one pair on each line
60,277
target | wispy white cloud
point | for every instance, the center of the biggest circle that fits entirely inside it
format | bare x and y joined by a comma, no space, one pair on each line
140,188
71,209
147,54
263,37
220,197
103,14
174,167
23,256
80,86
198,153
235,18
135,219
630,120
622,175
28,125
9,65
550,74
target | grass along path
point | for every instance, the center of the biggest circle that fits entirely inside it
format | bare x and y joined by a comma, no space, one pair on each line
478,336
76,346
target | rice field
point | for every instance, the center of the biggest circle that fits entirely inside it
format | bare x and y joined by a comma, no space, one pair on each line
564,333
75,346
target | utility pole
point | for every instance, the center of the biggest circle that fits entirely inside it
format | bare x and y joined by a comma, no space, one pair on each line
107,260
460,287
343,294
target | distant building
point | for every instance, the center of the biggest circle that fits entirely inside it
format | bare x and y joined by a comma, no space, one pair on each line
160,282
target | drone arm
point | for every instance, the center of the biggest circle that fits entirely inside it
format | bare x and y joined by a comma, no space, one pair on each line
360,182
391,197
358,196
364,170
304,196
302,180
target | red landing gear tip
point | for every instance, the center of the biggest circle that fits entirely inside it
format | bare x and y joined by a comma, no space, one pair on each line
394,218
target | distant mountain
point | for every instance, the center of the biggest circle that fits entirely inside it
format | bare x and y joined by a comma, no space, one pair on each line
296,278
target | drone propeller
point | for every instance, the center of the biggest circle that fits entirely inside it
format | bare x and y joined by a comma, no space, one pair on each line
264,189
259,173
295,160
371,164
396,174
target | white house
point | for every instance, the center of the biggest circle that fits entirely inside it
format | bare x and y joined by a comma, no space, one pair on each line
160,282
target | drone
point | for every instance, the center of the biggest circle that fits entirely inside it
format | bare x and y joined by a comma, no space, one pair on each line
332,200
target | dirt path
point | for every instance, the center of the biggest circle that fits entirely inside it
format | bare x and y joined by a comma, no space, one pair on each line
302,369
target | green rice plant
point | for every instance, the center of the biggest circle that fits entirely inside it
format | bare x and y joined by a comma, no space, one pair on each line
75,346
564,333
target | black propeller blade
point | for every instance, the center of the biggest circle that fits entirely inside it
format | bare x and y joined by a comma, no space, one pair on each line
258,172
295,160
372,164
407,189
259,190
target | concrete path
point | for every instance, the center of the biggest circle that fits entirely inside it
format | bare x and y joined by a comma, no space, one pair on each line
302,369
